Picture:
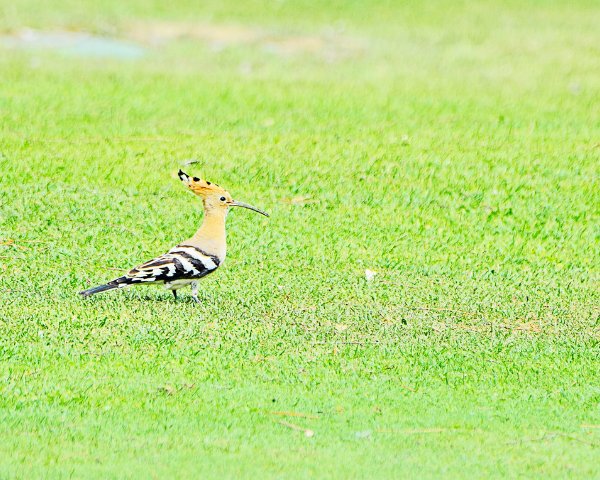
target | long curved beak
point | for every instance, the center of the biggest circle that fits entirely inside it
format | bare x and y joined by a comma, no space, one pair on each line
249,207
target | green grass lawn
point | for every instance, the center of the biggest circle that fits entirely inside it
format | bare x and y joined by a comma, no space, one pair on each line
450,147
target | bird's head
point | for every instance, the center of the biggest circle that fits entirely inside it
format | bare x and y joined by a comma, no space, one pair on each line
213,196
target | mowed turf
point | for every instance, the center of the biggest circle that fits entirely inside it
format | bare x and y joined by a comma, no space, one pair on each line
452,148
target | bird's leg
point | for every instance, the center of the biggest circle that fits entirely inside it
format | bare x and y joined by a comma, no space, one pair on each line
174,293
194,286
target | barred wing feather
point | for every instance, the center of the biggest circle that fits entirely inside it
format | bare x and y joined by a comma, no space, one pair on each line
181,262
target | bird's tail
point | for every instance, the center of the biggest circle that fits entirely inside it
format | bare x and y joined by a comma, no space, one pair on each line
100,288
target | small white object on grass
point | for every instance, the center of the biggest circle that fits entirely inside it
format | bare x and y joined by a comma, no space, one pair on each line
370,275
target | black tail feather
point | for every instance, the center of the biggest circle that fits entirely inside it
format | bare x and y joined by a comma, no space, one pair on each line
94,290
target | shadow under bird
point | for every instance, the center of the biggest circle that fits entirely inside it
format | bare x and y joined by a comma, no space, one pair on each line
192,259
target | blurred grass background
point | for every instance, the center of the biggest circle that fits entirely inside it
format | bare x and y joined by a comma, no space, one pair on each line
452,147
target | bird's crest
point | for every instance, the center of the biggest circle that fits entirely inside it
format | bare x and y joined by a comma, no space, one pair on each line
200,187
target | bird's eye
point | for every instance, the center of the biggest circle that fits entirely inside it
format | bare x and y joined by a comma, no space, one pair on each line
222,199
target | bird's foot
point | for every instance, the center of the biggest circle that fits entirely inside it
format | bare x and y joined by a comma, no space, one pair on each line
174,293
194,286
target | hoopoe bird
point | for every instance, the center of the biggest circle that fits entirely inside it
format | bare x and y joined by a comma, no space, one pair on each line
189,261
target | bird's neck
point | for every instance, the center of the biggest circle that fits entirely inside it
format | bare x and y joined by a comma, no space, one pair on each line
211,235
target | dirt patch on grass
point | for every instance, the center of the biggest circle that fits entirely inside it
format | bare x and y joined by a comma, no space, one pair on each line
331,44
135,39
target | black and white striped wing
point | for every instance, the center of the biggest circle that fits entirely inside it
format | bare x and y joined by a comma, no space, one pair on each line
182,262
